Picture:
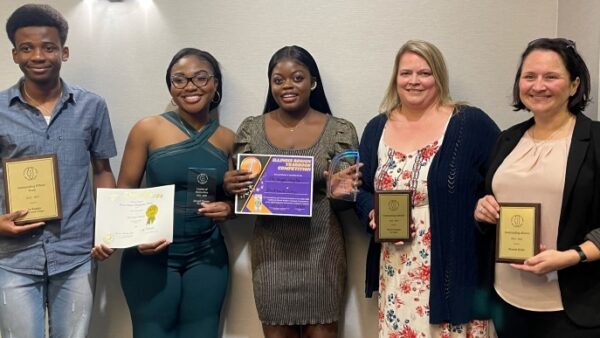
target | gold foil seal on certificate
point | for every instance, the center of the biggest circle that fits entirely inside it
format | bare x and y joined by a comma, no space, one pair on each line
151,213
32,183
518,232
393,215
108,238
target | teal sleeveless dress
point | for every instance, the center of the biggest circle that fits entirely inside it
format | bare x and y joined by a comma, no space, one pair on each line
179,292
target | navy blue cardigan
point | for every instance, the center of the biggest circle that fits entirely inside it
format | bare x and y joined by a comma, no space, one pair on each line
455,183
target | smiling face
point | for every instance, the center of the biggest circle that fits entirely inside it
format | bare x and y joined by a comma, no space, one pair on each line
415,82
545,85
39,54
192,98
291,85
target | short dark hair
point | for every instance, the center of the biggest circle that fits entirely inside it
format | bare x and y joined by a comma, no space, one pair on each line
574,64
204,56
318,101
36,15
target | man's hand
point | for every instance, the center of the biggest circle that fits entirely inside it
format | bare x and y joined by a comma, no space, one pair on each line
9,228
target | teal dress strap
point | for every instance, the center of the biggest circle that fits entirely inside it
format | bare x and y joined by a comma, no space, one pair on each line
196,138
187,128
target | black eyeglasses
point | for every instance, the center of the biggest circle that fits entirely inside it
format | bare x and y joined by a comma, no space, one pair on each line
199,80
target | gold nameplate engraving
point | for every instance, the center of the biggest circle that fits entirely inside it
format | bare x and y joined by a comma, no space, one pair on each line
393,215
518,232
32,183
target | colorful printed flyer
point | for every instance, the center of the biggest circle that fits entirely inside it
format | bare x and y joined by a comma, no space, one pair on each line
282,185
129,217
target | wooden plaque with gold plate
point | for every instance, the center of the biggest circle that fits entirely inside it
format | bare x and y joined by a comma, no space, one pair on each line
393,215
518,232
32,183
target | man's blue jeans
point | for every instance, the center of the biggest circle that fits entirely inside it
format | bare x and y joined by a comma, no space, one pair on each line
68,298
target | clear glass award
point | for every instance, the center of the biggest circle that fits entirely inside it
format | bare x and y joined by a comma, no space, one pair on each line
202,187
343,170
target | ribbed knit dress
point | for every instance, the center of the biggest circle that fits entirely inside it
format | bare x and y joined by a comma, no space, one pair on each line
299,263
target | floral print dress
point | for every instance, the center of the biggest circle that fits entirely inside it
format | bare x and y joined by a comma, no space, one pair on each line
405,269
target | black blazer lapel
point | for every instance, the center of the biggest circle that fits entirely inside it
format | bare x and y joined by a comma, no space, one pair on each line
579,146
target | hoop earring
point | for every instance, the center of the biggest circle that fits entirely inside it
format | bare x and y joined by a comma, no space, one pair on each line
218,96
314,86
173,103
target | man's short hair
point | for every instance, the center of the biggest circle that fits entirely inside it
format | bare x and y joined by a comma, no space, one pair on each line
36,15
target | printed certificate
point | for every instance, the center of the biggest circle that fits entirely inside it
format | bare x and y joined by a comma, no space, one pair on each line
32,183
129,217
282,185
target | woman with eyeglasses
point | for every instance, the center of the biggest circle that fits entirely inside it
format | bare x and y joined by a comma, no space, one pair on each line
552,159
437,149
177,289
298,263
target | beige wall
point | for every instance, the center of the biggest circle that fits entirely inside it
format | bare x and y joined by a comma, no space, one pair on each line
121,49
579,21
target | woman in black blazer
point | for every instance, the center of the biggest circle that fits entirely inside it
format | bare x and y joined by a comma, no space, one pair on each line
552,159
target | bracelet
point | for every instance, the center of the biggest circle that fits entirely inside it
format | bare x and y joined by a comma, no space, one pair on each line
582,256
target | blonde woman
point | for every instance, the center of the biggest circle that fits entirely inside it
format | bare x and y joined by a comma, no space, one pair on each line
428,144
